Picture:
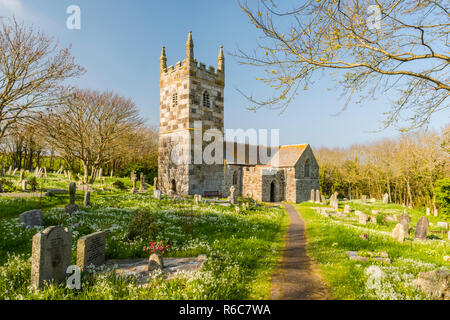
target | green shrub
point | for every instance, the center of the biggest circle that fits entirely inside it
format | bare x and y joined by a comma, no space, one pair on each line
442,190
7,185
142,226
33,184
118,184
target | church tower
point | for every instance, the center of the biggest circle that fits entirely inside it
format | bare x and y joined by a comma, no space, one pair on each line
190,94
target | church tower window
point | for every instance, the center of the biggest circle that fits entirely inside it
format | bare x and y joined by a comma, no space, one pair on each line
206,100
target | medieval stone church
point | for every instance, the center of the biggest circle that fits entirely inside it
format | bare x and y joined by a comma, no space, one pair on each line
191,93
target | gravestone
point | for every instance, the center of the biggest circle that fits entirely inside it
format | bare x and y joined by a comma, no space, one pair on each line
157,194
373,219
233,195
9,170
363,199
196,198
399,233
312,196
428,211
51,255
442,224
435,212
155,262
421,228
72,207
32,218
87,199
14,172
141,182
133,179
317,196
91,250
362,218
347,209
45,173
404,220
385,198
24,185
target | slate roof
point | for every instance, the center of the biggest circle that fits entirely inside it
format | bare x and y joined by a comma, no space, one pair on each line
288,155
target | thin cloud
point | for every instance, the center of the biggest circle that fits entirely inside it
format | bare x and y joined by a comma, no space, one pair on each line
15,6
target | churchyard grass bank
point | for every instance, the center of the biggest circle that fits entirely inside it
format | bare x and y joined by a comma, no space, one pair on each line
381,268
242,247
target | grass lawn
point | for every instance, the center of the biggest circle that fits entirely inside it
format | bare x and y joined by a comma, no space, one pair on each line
329,239
242,248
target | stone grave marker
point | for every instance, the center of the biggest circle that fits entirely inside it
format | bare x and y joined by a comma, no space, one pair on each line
428,211
317,196
421,228
32,218
363,199
442,224
233,195
385,198
91,250
347,209
362,218
399,233
404,220
72,207
24,185
87,199
312,196
133,179
51,255
141,182
157,194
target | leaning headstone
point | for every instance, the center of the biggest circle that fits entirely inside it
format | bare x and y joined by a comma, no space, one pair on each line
9,170
385,198
14,172
404,220
51,255
399,233
87,199
422,228
72,207
312,196
347,209
91,250
32,218
317,196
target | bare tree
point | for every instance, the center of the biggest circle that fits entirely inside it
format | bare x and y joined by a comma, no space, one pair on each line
31,70
89,126
403,50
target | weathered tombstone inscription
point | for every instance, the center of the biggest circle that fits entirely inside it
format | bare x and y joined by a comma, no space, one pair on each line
422,228
91,250
32,218
51,255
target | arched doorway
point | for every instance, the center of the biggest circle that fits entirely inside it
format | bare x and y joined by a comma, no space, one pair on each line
272,191
174,185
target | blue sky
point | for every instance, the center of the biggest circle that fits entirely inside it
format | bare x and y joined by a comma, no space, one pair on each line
120,42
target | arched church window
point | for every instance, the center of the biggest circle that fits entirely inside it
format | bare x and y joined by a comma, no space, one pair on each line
206,100
235,178
174,100
307,167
